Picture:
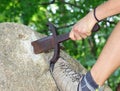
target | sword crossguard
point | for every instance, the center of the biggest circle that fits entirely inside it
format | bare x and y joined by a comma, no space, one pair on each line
55,57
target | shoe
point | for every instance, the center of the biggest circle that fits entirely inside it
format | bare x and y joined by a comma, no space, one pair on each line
65,78
86,86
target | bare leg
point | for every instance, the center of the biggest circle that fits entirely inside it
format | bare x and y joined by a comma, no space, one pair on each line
109,59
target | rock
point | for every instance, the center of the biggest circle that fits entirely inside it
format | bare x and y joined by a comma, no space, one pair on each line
22,70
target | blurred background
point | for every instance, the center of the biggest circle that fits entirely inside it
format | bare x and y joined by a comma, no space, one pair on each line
64,14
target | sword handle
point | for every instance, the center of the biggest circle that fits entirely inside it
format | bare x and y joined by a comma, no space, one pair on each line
64,37
96,27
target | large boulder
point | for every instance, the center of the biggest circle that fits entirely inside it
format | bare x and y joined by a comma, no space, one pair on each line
22,70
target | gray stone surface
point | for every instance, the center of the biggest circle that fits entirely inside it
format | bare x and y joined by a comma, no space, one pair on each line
20,68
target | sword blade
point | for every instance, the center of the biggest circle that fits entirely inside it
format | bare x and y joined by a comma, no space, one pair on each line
47,43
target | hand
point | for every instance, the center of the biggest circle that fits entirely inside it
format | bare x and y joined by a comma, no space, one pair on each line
83,27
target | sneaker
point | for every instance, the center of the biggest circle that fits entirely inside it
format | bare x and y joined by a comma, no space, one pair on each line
85,86
66,78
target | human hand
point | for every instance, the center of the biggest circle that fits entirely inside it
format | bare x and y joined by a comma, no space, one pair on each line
83,27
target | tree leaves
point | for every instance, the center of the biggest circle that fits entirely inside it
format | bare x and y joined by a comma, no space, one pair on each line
63,13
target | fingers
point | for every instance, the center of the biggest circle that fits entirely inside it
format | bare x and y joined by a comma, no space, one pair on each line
78,35
88,33
81,29
75,36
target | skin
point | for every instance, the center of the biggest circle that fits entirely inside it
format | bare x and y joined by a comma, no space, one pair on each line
109,59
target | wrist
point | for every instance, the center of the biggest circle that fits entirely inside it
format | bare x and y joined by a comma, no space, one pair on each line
91,18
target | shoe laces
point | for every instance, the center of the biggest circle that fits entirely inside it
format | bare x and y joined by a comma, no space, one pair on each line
75,76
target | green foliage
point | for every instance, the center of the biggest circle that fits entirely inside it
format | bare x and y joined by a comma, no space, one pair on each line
63,13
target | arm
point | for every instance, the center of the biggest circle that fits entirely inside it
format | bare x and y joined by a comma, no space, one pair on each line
83,27
111,7
109,59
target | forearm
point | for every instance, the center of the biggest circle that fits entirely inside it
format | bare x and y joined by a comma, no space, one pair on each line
83,27
109,8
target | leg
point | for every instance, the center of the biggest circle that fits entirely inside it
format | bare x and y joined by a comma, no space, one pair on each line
109,59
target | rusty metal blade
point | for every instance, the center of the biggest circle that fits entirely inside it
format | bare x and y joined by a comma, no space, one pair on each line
47,43
43,45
